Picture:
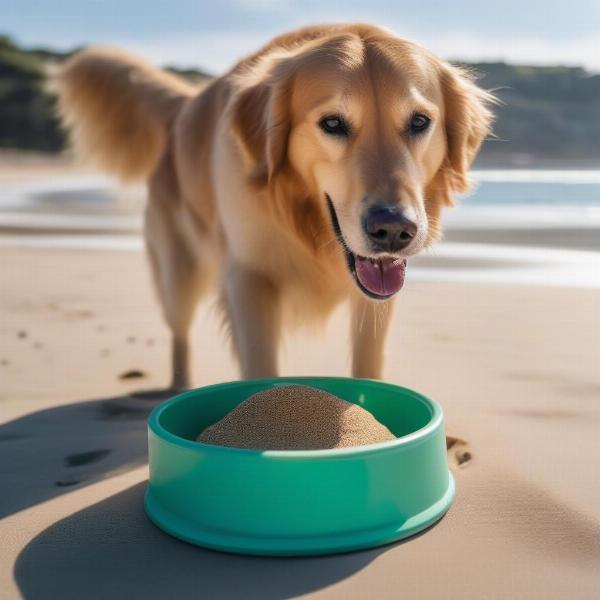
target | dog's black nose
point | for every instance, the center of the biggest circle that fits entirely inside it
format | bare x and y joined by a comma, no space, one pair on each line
387,228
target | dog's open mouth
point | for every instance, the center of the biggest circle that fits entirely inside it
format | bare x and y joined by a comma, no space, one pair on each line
378,278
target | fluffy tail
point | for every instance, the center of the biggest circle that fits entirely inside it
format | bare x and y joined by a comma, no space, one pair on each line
118,109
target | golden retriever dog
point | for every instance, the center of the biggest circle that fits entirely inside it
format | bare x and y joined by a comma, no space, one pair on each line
304,177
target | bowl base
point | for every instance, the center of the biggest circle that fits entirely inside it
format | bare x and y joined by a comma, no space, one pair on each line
291,546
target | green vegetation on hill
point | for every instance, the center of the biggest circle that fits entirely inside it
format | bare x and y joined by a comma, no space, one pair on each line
547,115
27,110
27,119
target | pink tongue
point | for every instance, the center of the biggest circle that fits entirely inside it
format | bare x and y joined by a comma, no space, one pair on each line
382,276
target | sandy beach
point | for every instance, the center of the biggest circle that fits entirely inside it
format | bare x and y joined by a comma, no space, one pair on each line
83,351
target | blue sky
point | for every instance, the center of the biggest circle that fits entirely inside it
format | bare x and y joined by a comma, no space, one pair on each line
212,35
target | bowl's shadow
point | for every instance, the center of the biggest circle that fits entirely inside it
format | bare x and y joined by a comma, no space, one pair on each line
111,549
49,452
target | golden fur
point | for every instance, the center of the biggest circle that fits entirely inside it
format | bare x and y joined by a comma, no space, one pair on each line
238,171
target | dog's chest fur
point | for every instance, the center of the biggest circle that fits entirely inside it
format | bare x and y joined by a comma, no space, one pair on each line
311,284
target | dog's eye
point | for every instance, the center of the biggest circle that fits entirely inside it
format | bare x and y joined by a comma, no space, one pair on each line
418,123
334,125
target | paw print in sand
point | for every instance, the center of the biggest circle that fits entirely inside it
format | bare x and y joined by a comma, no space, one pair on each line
459,451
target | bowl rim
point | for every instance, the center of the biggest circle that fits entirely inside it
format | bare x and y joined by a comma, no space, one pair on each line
436,418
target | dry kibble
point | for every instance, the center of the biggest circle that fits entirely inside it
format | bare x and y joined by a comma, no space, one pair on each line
296,417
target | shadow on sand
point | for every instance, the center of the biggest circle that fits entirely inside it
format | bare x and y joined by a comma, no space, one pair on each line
49,452
112,550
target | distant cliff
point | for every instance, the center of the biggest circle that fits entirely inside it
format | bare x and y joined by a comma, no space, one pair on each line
549,115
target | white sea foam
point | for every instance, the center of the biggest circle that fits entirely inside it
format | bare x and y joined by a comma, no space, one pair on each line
522,216
537,176
496,264
509,264
65,222
118,243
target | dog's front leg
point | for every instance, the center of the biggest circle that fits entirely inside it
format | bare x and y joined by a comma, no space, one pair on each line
369,324
252,307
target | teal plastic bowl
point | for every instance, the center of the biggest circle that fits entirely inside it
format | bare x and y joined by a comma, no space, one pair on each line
297,502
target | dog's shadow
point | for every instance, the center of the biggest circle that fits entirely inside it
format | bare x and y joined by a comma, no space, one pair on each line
53,451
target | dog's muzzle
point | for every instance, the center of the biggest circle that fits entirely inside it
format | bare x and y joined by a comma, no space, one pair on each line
378,278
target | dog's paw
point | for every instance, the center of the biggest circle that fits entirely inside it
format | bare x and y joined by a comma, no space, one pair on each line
459,451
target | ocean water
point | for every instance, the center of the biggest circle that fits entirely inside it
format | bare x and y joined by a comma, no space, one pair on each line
527,199
535,188
95,213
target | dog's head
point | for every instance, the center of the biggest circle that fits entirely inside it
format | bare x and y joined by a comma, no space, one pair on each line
377,130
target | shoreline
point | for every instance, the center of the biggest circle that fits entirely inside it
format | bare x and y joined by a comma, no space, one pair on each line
34,158
484,241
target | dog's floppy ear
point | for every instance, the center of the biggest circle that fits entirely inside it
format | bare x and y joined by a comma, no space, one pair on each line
260,118
261,107
468,121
